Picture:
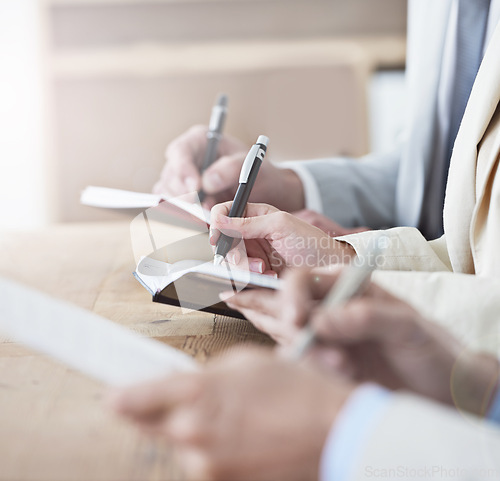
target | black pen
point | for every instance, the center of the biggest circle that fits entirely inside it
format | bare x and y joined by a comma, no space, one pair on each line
248,174
214,133
351,281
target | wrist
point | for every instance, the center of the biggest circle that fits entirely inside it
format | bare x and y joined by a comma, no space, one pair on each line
329,410
354,424
475,382
341,252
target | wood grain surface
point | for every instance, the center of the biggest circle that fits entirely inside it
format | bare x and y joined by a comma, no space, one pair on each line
53,424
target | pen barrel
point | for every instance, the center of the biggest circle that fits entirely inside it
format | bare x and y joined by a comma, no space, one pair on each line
244,190
210,152
225,242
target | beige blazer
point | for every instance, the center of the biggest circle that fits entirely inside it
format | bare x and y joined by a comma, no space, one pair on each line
458,285
470,247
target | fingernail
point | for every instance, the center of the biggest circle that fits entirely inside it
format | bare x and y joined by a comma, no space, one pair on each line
233,257
223,296
256,266
191,183
213,181
211,235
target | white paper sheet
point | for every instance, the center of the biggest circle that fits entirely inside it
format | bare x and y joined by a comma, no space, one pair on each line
83,340
123,199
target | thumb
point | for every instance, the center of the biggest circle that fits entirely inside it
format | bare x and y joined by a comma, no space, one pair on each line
223,174
153,398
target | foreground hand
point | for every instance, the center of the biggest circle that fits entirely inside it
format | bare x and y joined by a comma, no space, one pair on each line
247,417
379,338
281,314
181,174
326,224
278,238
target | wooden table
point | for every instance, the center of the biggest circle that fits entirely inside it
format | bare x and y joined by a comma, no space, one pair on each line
53,425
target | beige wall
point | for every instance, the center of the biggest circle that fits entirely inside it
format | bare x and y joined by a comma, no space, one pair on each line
126,77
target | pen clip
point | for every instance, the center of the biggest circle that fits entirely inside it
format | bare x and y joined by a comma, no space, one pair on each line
255,152
218,112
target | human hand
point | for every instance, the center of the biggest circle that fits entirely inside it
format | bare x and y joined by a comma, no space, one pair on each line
326,224
248,416
181,173
378,337
273,312
278,239
184,156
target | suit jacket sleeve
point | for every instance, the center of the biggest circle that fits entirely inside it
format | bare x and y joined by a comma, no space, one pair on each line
358,192
405,249
467,305
417,439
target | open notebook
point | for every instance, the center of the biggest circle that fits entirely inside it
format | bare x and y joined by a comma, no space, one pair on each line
176,268
194,284
95,346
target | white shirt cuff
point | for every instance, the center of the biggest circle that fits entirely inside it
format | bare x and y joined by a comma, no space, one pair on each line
350,431
312,196
494,412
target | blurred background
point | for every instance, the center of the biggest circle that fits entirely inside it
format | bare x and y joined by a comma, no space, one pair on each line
92,91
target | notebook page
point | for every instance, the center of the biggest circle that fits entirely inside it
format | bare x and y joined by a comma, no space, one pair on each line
117,198
155,275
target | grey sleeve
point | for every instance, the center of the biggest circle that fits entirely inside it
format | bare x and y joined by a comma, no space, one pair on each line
358,192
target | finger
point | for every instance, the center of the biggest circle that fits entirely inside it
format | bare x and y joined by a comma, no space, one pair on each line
252,210
256,265
183,156
154,398
264,226
365,319
223,174
302,287
333,359
269,325
260,249
250,259
188,425
304,214
195,463
260,300
213,235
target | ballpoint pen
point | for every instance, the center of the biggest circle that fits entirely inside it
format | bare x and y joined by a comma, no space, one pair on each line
248,174
350,282
214,133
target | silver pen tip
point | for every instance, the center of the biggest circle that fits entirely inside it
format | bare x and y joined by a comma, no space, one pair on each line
218,260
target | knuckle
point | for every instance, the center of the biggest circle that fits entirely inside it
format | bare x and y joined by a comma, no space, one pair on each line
246,221
198,129
281,218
